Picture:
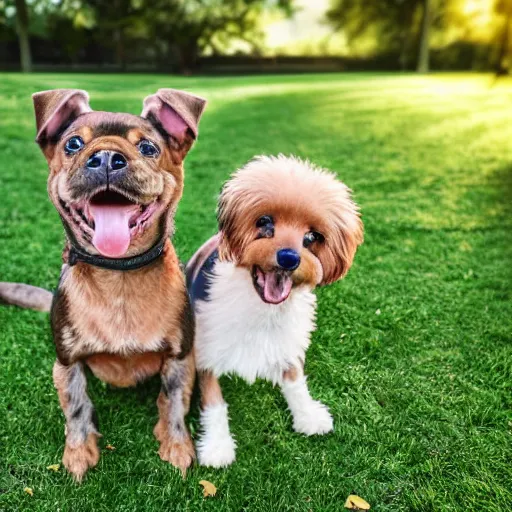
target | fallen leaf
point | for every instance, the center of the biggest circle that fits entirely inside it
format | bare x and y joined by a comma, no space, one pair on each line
53,467
28,490
356,503
208,488
110,447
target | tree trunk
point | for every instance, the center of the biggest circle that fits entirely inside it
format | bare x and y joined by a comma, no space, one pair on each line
189,60
120,49
423,55
23,36
404,39
185,56
502,67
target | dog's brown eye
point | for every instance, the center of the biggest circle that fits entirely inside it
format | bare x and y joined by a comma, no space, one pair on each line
147,148
264,221
311,237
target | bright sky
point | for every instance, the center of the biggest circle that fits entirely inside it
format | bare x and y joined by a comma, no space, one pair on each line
306,30
479,10
306,23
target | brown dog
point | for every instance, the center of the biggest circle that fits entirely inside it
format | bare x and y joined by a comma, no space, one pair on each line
121,307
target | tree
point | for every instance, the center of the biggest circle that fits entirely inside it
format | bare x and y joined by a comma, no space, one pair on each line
109,23
186,29
175,32
504,9
390,24
394,26
423,55
22,30
25,19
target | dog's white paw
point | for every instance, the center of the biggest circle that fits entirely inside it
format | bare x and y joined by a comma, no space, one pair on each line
215,447
313,419
309,416
216,453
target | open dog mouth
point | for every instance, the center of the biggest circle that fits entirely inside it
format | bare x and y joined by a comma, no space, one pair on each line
273,286
110,220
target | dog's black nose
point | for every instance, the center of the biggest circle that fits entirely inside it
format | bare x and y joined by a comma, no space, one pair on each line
106,160
118,162
288,259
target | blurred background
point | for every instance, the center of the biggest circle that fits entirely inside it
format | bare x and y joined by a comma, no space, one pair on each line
251,36
413,352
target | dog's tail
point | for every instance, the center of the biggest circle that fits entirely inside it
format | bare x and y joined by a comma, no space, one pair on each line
25,296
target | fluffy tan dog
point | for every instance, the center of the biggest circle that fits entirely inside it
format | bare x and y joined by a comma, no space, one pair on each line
285,227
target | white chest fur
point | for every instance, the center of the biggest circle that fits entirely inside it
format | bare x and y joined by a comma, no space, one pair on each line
238,333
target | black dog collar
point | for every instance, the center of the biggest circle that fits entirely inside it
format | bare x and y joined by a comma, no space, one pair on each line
133,263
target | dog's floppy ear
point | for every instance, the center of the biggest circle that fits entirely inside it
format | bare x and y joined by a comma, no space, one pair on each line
344,235
227,209
56,109
176,114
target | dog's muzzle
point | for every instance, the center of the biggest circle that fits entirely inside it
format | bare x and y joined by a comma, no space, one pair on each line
101,169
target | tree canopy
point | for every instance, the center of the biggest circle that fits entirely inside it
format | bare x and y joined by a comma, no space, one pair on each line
173,35
172,32
409,28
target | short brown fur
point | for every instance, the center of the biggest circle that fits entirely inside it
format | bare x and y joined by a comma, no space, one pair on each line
125,326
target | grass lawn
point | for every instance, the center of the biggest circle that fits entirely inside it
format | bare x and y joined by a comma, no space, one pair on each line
413,349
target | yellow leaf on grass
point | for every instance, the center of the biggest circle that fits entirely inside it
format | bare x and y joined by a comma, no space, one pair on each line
208,488
110,447
356,503
53,467
28,490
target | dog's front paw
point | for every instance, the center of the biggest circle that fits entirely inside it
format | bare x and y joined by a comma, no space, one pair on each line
313,419
215,447
216,452
179,453
78,459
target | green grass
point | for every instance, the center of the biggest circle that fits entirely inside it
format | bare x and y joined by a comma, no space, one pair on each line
421,393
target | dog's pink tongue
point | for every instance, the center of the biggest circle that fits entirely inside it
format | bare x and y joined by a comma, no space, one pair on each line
112,228
277,287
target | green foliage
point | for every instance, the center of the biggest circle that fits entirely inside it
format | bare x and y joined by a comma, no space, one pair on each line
388,21
394,26
174,32
421,393
387,26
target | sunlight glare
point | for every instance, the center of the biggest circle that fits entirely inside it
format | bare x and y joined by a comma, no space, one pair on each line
479,11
